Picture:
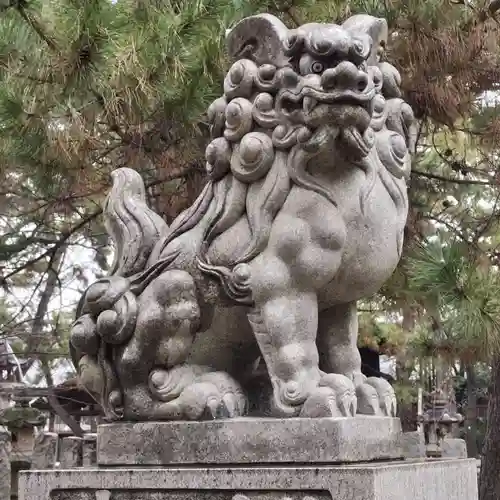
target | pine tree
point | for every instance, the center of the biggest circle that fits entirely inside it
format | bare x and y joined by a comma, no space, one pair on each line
91,85
88,86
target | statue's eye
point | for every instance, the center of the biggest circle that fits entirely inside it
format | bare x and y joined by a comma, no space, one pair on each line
358,46
317,67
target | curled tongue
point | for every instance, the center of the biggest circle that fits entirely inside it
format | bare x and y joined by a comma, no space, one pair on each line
308,104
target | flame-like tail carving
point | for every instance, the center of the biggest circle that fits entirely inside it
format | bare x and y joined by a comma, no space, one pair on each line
132,225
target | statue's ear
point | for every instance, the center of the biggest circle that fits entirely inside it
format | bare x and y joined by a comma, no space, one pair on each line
260,38
375,27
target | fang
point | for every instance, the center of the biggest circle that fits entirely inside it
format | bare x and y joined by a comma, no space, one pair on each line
309,104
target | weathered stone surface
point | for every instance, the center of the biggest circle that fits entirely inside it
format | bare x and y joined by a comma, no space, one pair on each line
302,215
44,454
71,451
5,469
449,479
246,440
413,444
454,448
89,452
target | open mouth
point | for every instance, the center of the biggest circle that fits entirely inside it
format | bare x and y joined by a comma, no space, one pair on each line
292,103
309,98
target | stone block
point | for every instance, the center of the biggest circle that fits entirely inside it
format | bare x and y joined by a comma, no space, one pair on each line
246,440
71,452
454,448
413,444
89,452
44,454
449,479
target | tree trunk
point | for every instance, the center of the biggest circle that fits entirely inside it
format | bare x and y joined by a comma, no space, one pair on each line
489,478
471,417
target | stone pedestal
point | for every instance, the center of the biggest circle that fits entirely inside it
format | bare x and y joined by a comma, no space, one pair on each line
251,440
419,480
254,459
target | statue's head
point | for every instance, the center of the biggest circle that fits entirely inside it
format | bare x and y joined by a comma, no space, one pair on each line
316,82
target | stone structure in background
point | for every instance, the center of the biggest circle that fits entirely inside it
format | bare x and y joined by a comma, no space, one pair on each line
228,340
438,421
5,467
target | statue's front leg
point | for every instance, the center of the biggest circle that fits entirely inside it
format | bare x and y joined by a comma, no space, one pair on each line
284,321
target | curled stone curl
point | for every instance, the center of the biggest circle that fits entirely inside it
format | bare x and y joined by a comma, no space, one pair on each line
392,151
218,156
252,157
263,111
116,326
239,119
268,78
240,79
284,137
84,335
216,114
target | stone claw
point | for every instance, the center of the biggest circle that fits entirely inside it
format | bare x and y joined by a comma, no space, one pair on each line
232,398
334,397
195,393
367,397
321,403
386,396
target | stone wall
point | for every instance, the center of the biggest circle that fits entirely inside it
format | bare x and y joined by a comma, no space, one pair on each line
51,451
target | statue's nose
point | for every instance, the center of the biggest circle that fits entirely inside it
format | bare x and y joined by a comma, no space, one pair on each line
343,77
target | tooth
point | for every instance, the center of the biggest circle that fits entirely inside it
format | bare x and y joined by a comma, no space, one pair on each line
308,104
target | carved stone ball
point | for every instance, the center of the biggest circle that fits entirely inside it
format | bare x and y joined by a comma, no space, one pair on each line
264,101
398,145
267,71
241,273
240,78
84,336
108,324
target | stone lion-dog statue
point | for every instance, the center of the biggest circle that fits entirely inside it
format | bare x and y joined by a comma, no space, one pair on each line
303,214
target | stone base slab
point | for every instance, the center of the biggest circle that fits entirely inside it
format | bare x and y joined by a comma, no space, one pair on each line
448,479
251,440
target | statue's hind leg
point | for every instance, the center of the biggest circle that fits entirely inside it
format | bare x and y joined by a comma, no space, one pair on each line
337,341
339,356
156,381
167,320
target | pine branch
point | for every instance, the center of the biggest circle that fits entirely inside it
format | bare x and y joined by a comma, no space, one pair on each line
178,174
454,181
37,27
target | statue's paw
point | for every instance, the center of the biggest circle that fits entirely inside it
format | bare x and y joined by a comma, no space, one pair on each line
368,403
342,395
386,396
167,385
233,401
191,392
321,403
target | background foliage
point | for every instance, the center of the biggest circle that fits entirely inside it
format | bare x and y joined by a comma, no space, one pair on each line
90,85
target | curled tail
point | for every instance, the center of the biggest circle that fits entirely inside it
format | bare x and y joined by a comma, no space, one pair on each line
132,225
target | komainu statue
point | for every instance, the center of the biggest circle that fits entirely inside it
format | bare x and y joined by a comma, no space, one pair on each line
302,215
